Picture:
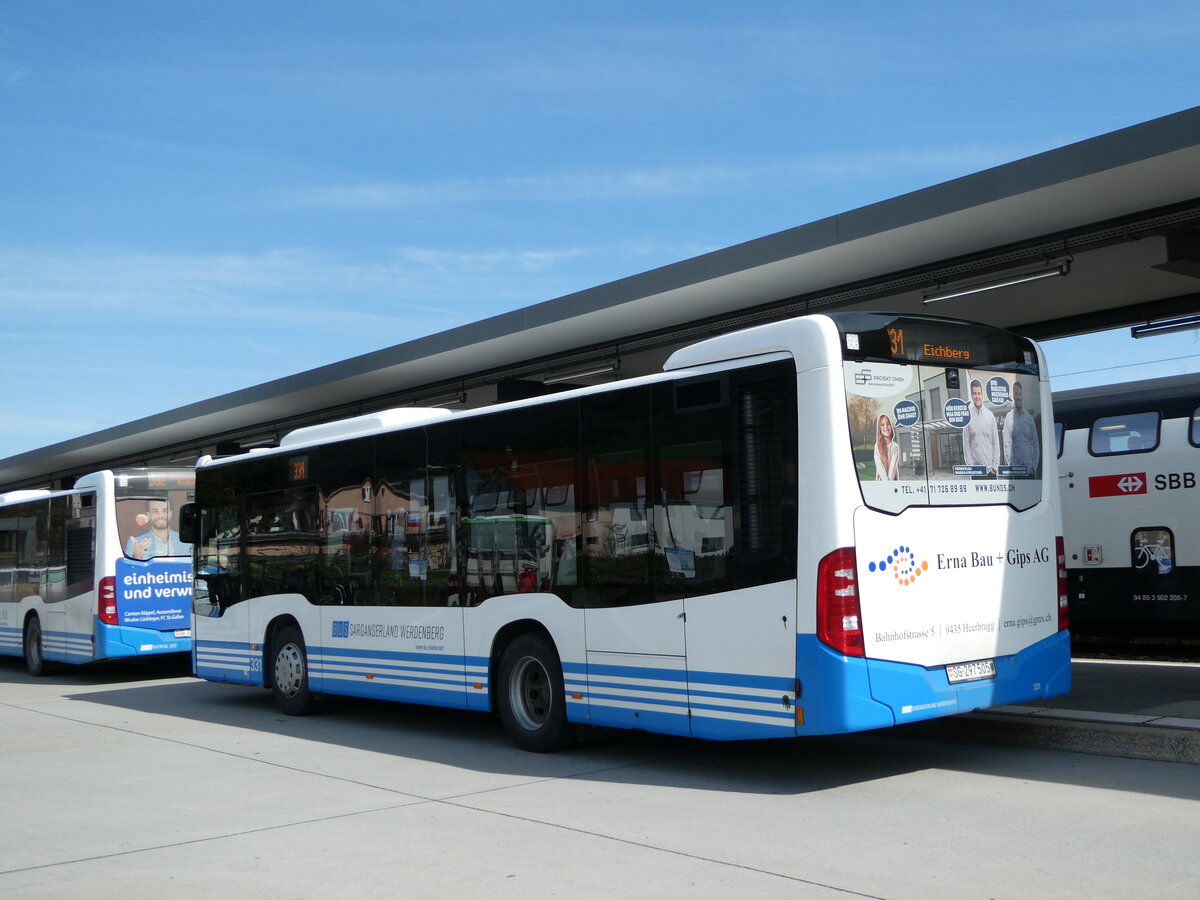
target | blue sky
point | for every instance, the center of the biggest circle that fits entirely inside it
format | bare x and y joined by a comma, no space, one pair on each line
199,197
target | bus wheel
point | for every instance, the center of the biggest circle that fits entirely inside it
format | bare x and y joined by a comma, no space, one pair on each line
289,668
35,660
530,695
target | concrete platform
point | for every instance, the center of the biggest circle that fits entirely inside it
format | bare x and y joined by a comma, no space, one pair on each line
1135,709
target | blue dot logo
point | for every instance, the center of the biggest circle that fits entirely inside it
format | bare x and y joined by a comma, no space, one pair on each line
902,563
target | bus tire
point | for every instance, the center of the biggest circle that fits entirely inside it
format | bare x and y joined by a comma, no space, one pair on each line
289,673
35,656
531,699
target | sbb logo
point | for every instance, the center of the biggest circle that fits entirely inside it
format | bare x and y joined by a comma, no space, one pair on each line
1173,481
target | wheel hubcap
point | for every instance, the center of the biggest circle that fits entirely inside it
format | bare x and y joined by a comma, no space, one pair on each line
530,693
289,670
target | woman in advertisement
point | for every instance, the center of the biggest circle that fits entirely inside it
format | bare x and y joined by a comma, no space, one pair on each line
887,451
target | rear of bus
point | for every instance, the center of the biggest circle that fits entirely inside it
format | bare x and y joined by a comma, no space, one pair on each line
948,592
144,570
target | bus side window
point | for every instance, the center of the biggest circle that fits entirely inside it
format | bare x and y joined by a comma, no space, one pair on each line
613,566
511,465
282,542
8,558
1059,430
765,411
19,541
1194,430
81,544
218,583
347,527
691,497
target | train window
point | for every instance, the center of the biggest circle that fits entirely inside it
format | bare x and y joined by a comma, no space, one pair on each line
1133,433
1059,430
1194,430
1153,550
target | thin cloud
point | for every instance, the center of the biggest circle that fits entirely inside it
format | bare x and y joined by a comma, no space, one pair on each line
412,280
687,180
162,331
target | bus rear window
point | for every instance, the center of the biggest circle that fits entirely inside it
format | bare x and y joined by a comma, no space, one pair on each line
149,528
929,435
147,511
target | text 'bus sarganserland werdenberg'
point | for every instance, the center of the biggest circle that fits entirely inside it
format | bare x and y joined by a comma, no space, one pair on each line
97,571
821,525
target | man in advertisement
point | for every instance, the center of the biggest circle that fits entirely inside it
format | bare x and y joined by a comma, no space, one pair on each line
981,439
161,539
1021,446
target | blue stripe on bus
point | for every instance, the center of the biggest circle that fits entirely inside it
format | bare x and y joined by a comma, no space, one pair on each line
385,677
669,701
392,663
774,710
384,654
727,695
227,661
12,641
594,683
453,699
380,667
232,645
642,719
724,679
67,646
625,671
914,692
113,641
635,701
729,679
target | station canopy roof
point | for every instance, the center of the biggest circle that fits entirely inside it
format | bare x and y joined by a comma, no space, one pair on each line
1100,233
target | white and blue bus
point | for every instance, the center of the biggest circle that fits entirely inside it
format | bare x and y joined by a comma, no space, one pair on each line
98,571
822,525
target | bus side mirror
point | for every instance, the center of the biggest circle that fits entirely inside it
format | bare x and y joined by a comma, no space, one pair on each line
189,522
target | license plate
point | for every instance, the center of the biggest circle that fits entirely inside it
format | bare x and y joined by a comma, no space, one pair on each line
971,671
183,632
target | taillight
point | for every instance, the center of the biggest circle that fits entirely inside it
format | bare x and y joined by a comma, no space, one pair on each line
106,603
1064,605
839,621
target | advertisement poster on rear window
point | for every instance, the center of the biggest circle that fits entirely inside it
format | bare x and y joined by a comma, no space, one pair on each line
928,435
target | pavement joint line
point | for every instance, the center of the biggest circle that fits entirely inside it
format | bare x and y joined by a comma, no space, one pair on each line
200,840
1152,663
1151,720
658,849
418,798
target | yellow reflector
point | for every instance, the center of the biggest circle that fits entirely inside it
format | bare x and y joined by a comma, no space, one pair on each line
575,695
799,715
